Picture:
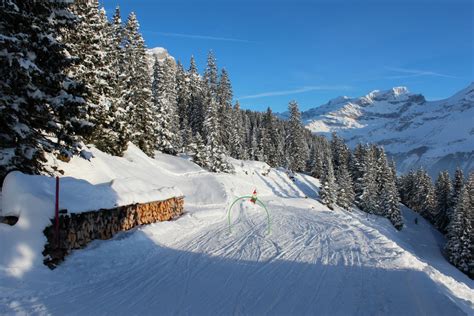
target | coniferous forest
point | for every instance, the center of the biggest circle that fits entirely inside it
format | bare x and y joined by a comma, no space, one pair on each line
71,77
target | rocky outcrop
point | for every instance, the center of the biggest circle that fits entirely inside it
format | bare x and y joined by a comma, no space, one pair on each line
77,230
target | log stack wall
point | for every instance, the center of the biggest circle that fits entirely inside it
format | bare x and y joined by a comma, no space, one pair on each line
78,230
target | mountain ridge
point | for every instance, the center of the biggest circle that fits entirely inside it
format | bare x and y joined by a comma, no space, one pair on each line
415,132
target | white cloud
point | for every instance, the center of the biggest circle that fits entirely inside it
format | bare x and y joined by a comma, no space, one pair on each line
294,91
204,37
414,73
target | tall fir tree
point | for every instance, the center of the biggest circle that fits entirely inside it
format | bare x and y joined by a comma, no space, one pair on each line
406,187
345,191
328,191
88,40
108,132
270,144
297,147
459,238
321,149
196,109
165,102
137,92
424,195
217,160
211,75
470,219
119,127
197,150
443,190
356,168
340,152
40,106
457,184
224,100
389,200
236,139
183,100
368,199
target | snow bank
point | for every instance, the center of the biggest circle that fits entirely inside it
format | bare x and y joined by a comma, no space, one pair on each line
32,199
22,192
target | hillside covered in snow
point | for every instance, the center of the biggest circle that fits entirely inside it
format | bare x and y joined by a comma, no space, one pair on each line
314,261
436,135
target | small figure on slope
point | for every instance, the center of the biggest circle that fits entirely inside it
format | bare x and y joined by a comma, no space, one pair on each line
253,199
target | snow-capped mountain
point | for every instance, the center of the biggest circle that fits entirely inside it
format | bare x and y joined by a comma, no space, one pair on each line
437,135
158,52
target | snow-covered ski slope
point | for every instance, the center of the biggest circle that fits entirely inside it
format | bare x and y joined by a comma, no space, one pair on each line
314,261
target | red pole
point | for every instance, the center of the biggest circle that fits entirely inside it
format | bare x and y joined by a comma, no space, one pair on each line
56,212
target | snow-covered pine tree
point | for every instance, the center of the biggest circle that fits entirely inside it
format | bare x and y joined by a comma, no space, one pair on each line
340,156
459,237
321,149
356,168
406,187
172,96
165,104
328,191
263,140
470,190
278,139
297,148
253,149
183,100
217,159
137,92
211,75
40,106
340,152
119,123
197,150
236,139
270,143
368,199
317,170
424,195
389,200
457,185
196,109
247,134
107,132
470,217
345,191
442,193
89,41
224,99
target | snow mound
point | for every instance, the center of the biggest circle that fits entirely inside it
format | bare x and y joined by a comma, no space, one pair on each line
75,195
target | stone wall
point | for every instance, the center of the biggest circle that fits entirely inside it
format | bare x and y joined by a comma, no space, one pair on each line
77,230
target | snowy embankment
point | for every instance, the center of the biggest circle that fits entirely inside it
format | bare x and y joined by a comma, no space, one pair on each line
314,261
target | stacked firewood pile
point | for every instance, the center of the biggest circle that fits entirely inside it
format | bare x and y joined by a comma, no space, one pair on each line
77,230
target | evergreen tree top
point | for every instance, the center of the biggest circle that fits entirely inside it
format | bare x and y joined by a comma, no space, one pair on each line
117,18
192,66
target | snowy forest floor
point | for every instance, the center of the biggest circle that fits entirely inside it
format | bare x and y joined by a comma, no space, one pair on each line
314,261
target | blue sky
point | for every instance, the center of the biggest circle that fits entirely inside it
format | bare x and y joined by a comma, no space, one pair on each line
311,51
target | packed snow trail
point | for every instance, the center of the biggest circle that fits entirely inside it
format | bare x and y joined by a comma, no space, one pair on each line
315,261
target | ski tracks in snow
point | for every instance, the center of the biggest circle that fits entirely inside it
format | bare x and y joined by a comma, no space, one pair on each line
314,261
